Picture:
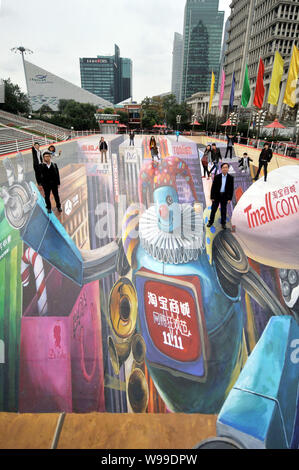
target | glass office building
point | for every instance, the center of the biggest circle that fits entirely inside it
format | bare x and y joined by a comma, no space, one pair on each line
126,79
177,57
203,26
107,76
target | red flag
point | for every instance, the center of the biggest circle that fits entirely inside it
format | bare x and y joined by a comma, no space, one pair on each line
260,89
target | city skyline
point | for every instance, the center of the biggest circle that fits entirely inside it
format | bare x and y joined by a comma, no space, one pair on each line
149,45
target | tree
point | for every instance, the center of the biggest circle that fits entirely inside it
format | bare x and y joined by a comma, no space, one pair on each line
156,110
179,109
108,111
80,116
45,109
15,101
152,112
123,117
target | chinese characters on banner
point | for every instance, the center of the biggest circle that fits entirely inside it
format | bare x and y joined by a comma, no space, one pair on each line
172,320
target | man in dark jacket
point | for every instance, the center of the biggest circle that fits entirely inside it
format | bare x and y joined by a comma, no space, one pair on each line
222,192
37,159
132,136
103,149
230,144
265,158
215,157
49,179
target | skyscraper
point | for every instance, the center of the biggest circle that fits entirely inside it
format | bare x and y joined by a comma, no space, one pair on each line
257,29
224,49
177,60
238,39
107,76
203,25
126,79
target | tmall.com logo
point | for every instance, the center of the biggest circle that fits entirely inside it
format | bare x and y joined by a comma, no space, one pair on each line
2,352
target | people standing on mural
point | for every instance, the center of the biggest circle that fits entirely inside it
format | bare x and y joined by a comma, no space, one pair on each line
205,161
132,136
52,150
37,159
264,159
103,149
244,163
230,144
177,135
216,158
49,179
222,192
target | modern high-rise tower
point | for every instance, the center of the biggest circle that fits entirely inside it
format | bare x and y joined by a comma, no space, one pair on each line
177,61
203,26
107,76
257,29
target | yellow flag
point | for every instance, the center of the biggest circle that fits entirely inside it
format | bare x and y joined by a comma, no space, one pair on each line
277,74
290,93
212,91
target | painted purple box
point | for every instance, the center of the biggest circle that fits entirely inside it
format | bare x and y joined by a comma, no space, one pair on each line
61,355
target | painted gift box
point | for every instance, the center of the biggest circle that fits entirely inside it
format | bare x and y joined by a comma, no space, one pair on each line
61,353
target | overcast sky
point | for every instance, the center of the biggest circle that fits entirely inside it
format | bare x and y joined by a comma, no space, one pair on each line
61,31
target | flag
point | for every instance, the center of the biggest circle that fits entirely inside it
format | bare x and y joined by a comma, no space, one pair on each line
221,90
290,95
259,89
246,93
212,91
232,93
277,73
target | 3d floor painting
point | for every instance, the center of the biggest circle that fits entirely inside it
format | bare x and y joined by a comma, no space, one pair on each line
128,303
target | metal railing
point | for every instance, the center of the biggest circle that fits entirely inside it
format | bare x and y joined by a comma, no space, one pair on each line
15,145
288,149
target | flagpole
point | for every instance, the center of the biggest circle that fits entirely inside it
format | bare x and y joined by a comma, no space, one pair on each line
233,80
216,121
208,121
251,114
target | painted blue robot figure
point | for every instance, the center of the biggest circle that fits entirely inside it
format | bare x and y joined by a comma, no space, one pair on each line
190,313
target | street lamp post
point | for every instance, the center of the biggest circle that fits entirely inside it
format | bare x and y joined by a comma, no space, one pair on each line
260,118
178,121
193,121
23,51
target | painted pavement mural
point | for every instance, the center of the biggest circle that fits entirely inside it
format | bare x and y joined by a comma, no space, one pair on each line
127,302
